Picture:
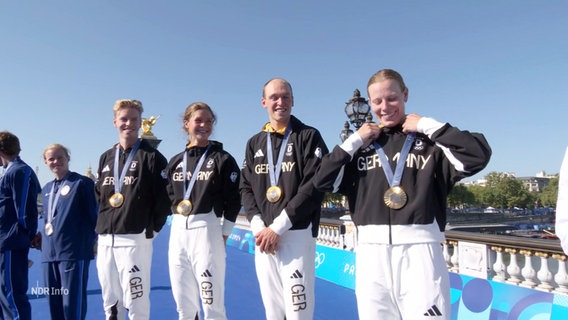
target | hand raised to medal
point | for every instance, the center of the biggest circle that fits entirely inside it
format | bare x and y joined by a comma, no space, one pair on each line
410,124
369,132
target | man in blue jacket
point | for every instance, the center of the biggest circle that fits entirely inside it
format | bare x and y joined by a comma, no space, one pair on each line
19,189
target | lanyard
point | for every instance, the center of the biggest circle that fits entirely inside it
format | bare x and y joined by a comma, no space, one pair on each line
187,192
394,179
53,202
272,170
118,182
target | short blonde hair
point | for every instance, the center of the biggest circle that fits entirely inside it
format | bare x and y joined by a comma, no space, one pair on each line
126,103
57,146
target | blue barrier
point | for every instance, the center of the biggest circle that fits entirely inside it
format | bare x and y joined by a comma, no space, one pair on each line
472,298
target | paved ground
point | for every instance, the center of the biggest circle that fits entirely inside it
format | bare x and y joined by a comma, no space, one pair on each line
242,293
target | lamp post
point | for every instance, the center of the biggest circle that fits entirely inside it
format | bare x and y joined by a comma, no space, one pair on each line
357,110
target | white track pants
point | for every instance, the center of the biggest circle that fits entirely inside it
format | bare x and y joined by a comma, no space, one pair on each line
287,278
197,266
408,281
123,267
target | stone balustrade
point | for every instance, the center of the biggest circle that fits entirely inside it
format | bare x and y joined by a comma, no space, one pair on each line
538,264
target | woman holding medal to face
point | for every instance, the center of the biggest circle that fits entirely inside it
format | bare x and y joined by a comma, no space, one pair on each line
203,188
69,235
396,177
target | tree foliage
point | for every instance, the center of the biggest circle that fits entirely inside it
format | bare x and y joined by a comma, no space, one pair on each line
549,193
502,191
460,196
479,195
505,191
333,199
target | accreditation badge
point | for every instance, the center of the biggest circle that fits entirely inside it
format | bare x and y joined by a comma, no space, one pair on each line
273,194
395,197
116,200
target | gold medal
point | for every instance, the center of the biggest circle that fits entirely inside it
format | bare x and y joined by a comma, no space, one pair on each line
273,194
184,207
116,200
395,197
48,229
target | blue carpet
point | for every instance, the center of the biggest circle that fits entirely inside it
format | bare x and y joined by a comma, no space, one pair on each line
242,296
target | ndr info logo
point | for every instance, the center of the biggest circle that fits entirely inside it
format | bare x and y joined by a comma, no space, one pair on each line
48,291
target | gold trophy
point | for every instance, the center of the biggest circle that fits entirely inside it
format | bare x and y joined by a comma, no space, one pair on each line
147,124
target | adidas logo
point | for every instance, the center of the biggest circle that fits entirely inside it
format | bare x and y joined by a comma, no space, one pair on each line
296,275
106,169
206,274
134,269
259,154
433,312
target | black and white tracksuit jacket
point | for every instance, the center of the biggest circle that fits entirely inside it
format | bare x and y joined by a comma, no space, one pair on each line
440,156
146,203
301,201
216,186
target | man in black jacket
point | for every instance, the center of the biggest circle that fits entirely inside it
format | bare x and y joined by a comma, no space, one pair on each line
282,205
133,207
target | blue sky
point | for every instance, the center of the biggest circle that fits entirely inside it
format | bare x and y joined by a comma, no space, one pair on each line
496,67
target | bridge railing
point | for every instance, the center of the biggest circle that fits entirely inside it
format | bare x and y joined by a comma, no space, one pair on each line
538,264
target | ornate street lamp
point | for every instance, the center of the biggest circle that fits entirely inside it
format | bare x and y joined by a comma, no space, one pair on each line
357,109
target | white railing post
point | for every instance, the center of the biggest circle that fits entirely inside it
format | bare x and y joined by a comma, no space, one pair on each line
455,258
350,236
446,253
544,275
561,277
319,239
499,266
513,269
528,272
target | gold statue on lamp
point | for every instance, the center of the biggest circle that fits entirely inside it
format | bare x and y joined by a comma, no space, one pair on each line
147,124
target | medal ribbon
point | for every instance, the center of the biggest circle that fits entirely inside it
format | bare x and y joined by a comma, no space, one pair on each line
118,182
272,170
53,202
394,179
187,192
